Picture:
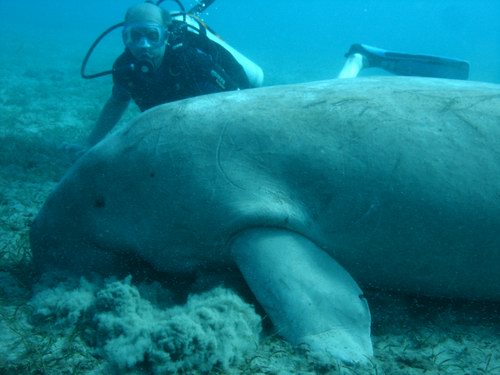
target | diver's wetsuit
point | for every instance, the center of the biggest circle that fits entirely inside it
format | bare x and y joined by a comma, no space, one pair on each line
192,65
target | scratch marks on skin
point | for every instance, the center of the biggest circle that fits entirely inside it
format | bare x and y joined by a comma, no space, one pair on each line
347,101
370,212
157,142
314,104
219,162
466,121
364,109
450,104
333,104
454,102
455,106
362,112
180,113
482,99
370,220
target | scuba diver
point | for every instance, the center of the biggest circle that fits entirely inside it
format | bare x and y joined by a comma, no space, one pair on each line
168,57
172,55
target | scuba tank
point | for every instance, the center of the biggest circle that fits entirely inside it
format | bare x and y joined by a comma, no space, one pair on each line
253,72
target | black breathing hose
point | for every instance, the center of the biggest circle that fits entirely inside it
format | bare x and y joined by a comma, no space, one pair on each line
91,49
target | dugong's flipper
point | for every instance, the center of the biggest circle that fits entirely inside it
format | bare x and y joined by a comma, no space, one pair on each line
310,298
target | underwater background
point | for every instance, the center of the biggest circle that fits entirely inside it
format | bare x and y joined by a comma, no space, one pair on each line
292,40
66,325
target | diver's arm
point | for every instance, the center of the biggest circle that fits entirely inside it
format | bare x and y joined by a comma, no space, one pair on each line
109,117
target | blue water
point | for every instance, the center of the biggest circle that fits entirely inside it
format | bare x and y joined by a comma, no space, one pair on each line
292,40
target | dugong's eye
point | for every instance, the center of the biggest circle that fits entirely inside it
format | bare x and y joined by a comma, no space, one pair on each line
100,202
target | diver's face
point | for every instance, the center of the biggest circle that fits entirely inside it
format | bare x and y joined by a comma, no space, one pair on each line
145,37
146,41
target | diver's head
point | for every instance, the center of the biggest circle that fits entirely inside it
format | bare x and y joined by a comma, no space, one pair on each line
145,33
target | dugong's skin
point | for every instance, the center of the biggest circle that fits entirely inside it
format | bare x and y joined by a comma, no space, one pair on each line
397,179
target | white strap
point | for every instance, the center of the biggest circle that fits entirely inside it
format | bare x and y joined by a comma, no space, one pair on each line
354,64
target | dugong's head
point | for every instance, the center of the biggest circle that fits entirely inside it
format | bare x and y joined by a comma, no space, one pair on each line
84,226
113,212
150,193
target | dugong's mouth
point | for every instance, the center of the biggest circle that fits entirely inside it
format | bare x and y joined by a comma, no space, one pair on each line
121,260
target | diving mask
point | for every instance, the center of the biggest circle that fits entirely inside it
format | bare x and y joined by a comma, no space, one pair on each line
144,35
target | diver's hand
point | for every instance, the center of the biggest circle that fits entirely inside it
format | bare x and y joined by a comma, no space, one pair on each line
73,150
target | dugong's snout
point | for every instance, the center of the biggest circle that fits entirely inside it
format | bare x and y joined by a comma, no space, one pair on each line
66,251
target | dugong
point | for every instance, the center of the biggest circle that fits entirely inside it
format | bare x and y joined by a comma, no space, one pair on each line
311,191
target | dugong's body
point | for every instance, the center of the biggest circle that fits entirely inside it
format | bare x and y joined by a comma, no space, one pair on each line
396,179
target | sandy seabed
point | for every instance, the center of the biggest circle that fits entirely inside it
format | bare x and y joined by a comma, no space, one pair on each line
65,325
